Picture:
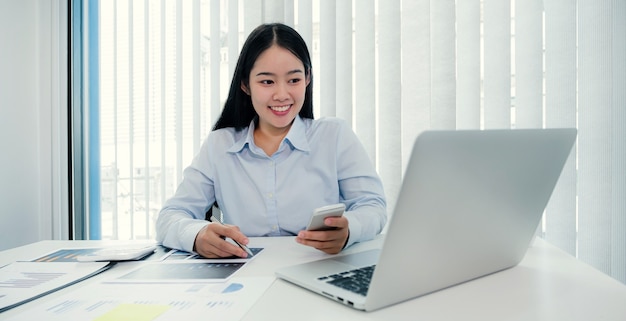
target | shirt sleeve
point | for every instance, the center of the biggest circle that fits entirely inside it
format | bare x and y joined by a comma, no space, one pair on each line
182,215
360,187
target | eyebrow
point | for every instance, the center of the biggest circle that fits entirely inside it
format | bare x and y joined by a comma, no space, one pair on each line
267,73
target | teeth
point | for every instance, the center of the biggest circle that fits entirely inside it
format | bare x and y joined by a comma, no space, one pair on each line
280,108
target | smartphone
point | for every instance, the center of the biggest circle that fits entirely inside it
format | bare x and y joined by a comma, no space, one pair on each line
319,214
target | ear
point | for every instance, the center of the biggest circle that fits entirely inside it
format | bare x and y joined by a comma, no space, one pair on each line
245,89
308,77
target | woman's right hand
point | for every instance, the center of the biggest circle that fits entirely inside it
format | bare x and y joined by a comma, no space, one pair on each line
210,241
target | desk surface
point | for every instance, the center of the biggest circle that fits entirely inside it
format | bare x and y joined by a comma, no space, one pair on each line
547,285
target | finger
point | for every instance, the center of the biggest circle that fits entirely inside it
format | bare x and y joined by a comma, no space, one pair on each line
330,247
228,247
330,242
319,240
210,243
230,231
210,251
338,222
310,236
322,236
221,248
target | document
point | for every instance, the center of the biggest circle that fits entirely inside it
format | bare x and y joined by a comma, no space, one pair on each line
104,301
21,282
130,252
195,271
182,255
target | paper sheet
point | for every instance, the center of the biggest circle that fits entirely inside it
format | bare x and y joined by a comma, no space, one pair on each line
145,302
182,255
195,271
72,254
21,282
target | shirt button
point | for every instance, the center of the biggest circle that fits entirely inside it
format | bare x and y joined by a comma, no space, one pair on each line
270,195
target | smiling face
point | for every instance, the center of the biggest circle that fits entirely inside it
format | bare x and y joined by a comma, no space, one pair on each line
277,87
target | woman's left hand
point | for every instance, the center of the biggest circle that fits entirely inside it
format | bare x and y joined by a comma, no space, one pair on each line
329,241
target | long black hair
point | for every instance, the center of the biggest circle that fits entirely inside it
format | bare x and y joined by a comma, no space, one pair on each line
238,111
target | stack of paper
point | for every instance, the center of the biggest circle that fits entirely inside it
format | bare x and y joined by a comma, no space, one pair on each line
21,282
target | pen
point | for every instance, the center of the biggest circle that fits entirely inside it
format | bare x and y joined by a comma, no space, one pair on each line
245,248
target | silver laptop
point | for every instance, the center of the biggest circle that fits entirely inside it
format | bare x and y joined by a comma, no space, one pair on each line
469,206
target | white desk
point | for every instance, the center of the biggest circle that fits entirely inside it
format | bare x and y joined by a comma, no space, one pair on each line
547,285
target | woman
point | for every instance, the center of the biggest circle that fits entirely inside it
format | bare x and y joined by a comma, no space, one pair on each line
268,164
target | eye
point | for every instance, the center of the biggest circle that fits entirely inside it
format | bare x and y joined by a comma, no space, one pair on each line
266,82
295,80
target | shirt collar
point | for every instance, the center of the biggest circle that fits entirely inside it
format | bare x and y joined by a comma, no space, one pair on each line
296,137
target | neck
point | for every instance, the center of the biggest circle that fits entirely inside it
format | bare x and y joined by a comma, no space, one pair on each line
269,140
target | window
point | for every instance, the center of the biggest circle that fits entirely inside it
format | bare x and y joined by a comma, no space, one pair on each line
394,70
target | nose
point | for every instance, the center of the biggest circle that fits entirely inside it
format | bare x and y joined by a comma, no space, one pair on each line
281,93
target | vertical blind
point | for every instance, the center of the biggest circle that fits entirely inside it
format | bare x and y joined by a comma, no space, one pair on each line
393,69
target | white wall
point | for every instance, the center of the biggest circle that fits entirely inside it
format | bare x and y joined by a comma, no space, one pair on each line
32,148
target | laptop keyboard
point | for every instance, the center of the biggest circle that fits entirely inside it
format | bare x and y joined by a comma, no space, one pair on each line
357,280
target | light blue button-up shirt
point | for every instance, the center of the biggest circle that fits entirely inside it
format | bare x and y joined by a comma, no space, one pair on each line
319,162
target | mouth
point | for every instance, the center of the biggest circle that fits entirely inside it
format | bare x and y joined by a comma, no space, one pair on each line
280,109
